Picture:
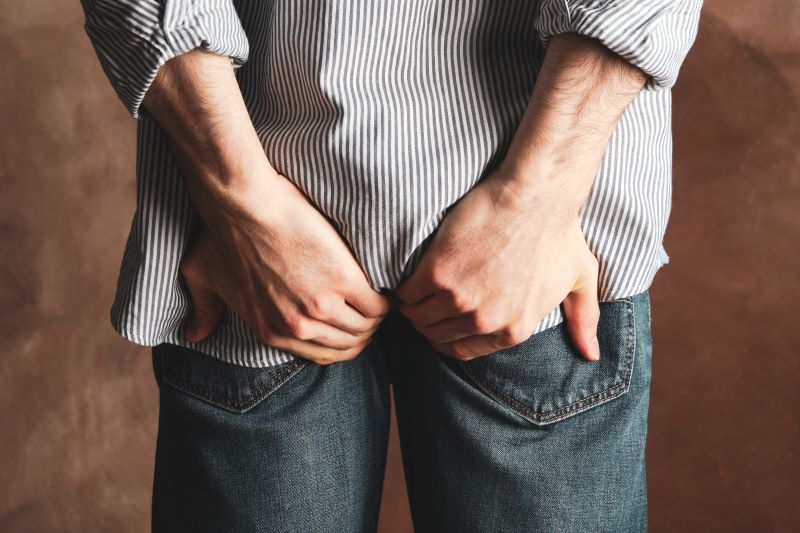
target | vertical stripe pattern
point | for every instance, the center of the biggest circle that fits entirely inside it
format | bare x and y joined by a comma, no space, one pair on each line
385,114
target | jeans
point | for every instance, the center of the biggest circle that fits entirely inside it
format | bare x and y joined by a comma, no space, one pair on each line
530,438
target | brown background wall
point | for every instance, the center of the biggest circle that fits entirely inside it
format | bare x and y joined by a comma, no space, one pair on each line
78,404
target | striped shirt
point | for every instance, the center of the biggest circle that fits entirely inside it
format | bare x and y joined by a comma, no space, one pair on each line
385,114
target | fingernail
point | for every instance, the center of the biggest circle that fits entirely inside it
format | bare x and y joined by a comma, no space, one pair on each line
595,348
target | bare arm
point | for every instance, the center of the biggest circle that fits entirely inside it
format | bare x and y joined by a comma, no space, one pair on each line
512,249
580,94
196,100
261,251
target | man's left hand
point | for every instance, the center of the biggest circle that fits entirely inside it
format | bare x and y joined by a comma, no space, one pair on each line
495,268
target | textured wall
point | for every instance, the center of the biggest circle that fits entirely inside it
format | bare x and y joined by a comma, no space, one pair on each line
78,404
723,450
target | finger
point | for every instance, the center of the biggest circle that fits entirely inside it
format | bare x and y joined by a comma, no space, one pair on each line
207,310
449,330
347,318
318,353
330,337
470,347
367,301
431,310
416,287
305,328
582,314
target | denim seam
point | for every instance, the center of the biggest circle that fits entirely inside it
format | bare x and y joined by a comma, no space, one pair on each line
577,406
240,406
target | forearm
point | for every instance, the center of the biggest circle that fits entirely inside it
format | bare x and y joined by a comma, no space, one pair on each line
580,94
196,100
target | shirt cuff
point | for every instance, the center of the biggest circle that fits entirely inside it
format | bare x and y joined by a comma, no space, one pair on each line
133,39
653,35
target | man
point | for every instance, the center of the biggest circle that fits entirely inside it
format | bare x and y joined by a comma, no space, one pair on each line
336,196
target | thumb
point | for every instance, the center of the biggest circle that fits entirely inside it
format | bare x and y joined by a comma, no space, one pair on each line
582,312
207,311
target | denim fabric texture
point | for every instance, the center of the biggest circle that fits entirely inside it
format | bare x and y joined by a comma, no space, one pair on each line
533,438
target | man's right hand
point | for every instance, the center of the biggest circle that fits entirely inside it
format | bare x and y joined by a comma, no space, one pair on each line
287,273
266,251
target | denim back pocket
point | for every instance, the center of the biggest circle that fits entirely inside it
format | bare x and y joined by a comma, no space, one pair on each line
231,387
545,379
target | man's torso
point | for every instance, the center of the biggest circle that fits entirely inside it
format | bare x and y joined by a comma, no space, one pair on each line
385,115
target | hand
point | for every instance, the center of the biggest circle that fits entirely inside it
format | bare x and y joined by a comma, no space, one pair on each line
287,273
511,250
267,252
494,269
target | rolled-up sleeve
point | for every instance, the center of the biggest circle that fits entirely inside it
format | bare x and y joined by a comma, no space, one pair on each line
653,35
134,38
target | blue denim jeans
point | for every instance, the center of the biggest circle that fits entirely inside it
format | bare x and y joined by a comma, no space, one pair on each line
531,438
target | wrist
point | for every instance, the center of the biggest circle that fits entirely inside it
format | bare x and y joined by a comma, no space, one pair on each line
240,198
581,91
536,181
197,102
541,190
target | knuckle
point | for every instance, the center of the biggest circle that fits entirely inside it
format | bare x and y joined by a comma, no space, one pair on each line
439,278
325,360
457,300
482,321
315,307
268,336
296,326
513,334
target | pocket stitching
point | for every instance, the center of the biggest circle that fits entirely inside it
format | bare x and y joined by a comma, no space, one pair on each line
238,406
573,408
